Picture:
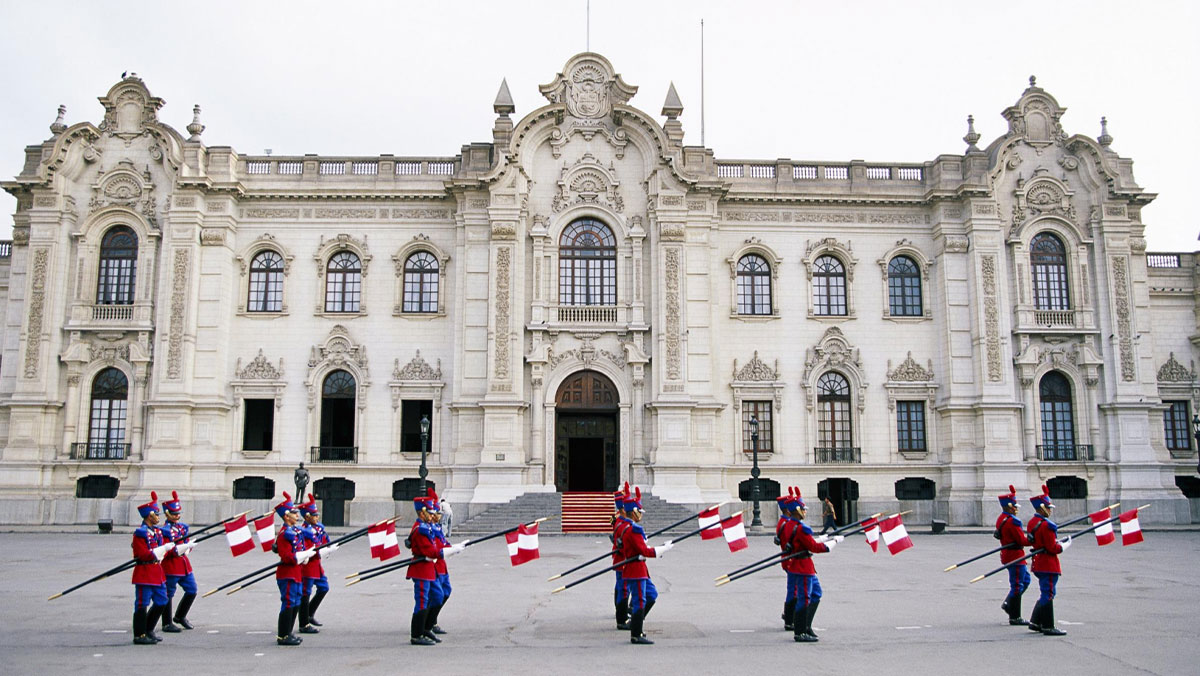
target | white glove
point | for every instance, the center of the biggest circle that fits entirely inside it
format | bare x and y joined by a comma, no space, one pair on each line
328,549
453,549
663,549
1066,543
304,556
184,548
822,538
161,550
830,544
839,538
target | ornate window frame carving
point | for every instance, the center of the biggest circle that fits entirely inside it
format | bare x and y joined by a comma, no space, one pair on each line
258,379
245,257
906,247
326,249
911,382
754,245
833,352
1078,273
88,239
1177,382
420,242
339,351
625,255
756,381
416,380
832,247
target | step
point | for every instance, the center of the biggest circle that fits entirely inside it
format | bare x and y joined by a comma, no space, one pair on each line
587,512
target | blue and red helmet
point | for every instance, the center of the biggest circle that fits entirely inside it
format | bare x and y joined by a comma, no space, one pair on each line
150,507
1010,498
799,499
286,506
309,507
173,505
1043,499
634,500
620,496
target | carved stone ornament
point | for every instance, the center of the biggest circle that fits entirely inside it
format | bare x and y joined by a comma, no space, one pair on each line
833,351
180,273
1120,280
956,244
339,350
417,369
756,370
124,186
36,312
259,369
1174,372
588,182
129,108
212,236
503,306
909,371
1035,117
674,320
588,87
1041,196
991,318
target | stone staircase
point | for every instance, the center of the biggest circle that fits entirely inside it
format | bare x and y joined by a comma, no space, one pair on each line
530,506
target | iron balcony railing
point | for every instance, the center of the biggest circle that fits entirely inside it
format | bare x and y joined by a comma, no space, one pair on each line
837,455
1066,452
343,455
99,450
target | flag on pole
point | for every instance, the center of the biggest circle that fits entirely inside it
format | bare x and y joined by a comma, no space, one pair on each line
383,542
872,533
895,536
264,528
237,533
710,521
522,544
1131,530
1104,534
735,532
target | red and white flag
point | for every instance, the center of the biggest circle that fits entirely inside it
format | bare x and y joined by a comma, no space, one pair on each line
382,538
1131,530
1104,534
237,533
710,521
872,533
895,536
735,532
522,544
264,528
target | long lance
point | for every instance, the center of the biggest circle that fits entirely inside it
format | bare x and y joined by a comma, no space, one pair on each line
130,563
660,531
1016,546
634,558
387,568
779,554
1041,550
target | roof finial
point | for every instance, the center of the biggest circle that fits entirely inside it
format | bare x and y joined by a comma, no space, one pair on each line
1104,139
503,105
1032,80
59,126
971,138
672,107
195,128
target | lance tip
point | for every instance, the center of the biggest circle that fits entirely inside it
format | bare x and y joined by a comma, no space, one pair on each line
720,577
973,581
725,581
950,568
558,590
353,575
54,597
552,578
351,584
209,593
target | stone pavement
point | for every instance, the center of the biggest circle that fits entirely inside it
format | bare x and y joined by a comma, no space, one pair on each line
1128,610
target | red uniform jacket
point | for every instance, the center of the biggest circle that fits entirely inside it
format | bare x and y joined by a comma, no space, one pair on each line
173,563
439,538
1009,527
288,542
314,537
633,544
619,526
1045,535
147,570
786,532
422,542
802,541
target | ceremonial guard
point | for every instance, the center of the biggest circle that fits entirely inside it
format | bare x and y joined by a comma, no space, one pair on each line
808,587
441,571
638,587
177,567
1043,534
426,549
150,598
783,537
290,546
313,573
1011,534
620,523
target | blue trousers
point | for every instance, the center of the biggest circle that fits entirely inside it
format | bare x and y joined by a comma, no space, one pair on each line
146,595
808,589
186,582
443,581
1018,579
321,583
1048,582
640,592
793,584
426,594
619,592
289,594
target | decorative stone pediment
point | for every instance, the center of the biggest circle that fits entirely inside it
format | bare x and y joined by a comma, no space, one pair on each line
259,369
1035,117
909,371
833,351
1174,372
588,87
124,186
1043,195
756,381
588,182
756,370
339,350
417,369
129,108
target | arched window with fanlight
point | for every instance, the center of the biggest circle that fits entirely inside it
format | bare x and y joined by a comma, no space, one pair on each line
829,286
266,283
118,267
835,436
339,391
343,283
109,411
1048,260
421,283
587,264
753,285
904,288
1058,417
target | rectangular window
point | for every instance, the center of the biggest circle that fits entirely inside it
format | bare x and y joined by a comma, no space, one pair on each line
910,425
762,411
258,428
266,291
411,412
1175,423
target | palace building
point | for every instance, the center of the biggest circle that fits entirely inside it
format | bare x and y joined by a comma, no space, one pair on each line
582,300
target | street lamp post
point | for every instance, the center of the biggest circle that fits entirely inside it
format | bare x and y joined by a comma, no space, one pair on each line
1196,433
754,472
424,471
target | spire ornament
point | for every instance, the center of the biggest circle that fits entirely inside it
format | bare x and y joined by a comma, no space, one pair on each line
59,126
1104,139
971,138
195,128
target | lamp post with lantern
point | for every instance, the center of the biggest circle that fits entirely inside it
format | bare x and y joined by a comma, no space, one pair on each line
424,471
755,495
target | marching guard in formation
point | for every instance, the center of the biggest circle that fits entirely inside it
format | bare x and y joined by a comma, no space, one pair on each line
177,567
442,573
313,573
638,586
808,587
290,545
1043,534
427,549
150,583
783,537
1011,534
620,523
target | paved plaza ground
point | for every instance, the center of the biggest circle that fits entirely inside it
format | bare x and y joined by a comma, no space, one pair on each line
1128,610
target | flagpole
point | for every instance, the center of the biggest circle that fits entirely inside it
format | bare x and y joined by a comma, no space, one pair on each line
780,553
1015,546
372,570
244,577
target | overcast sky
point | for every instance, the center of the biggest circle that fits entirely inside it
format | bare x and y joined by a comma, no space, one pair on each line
877,81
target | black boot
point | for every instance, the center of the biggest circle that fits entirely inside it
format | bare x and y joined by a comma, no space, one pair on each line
812,610
1014,611
152,616
283,630
166,619
431,629
305,626
1035,618
635,629
185,604
623,614
1047,621
313,605
293,614
1004,606
139,628
800,624
646,610
417,630
789,609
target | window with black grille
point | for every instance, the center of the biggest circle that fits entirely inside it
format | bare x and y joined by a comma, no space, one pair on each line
915,488
253,488
1175,424
98,486
1067,488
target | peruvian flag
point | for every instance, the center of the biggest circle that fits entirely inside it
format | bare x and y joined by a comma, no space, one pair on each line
895,536
237,533
1104,534
1131,530
264,528
522,544
710,521
735,532
872,533
382,538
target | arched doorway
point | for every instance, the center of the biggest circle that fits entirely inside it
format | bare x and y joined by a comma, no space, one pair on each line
843,493
337,419
333,492
586,433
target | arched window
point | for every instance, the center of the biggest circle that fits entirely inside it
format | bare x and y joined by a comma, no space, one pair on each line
834,424
266,283
1048,258
1058,417
753,285
904,287
829,286
587,264
118,267
421,283
343,283
338,393
110,406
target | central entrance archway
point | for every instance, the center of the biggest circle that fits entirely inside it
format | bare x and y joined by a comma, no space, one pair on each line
587,453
